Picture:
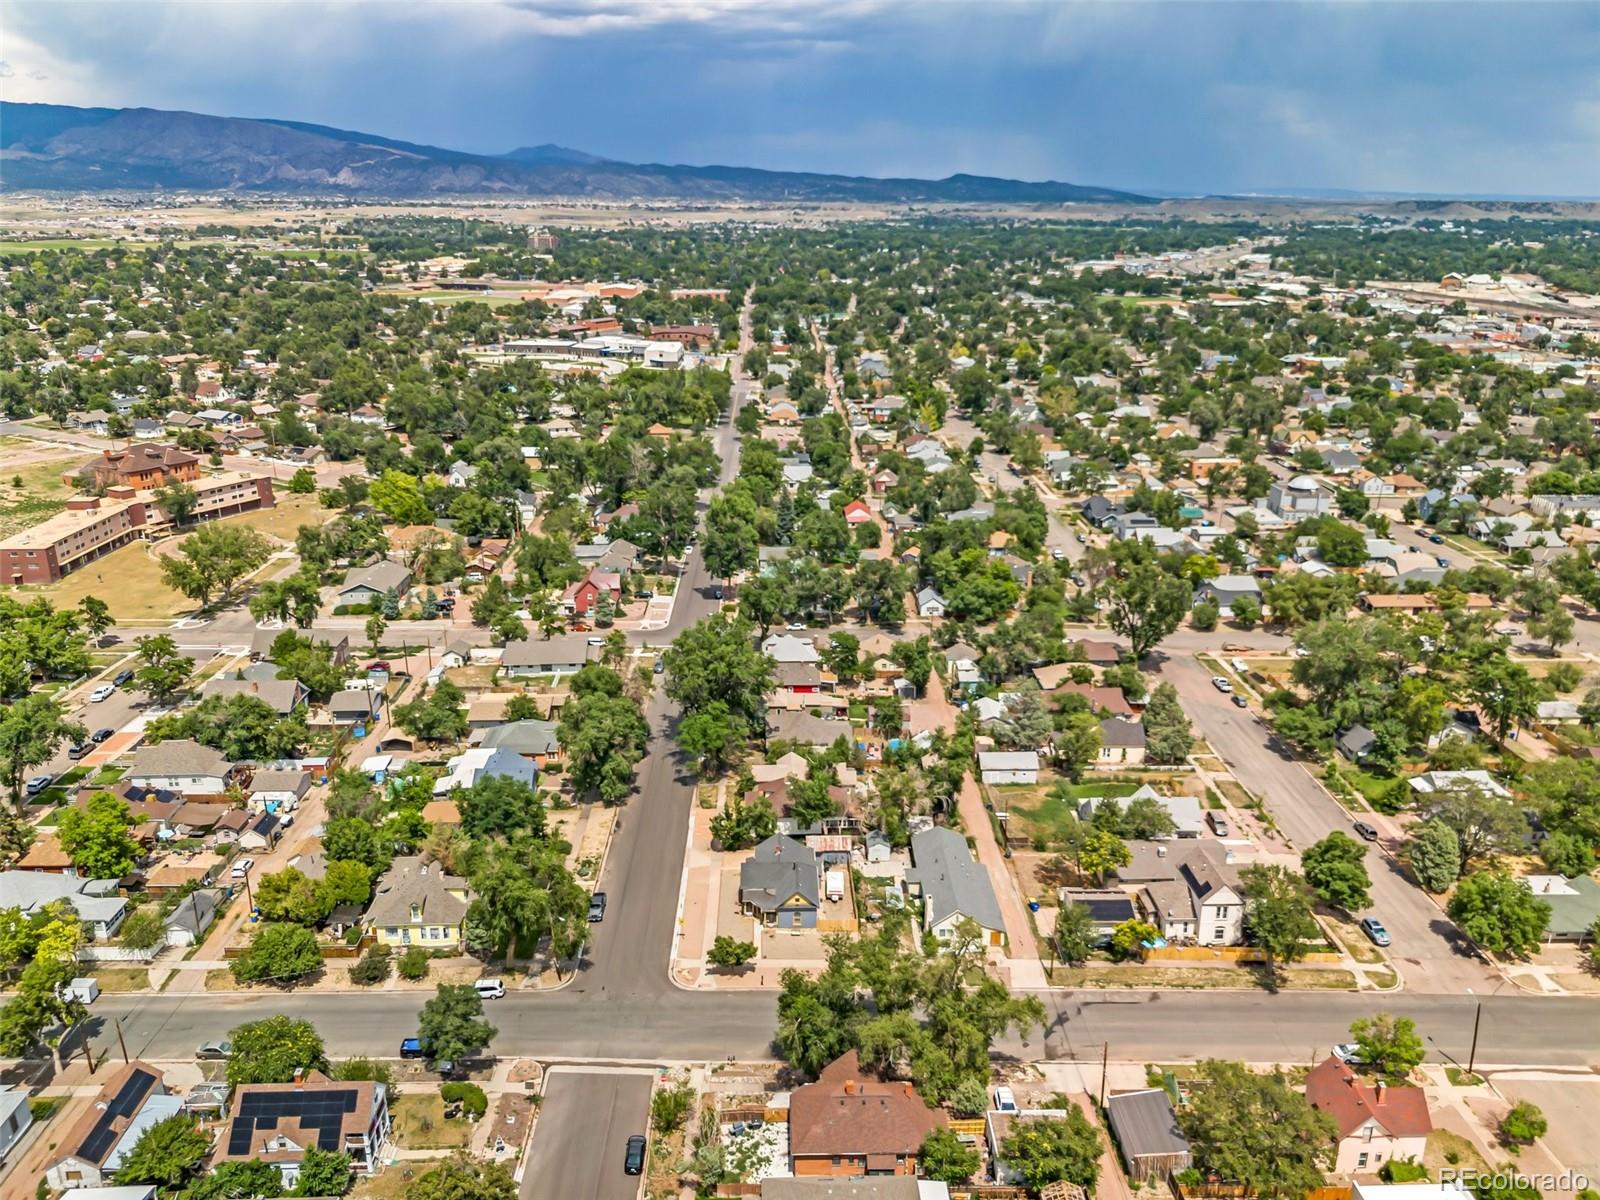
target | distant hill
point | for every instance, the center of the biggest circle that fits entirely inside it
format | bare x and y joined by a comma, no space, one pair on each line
59,148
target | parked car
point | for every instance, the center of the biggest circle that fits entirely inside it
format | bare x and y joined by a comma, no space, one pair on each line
1367,831
1005,1100
104,692
214,1050
796,626
413,1048
79,750
597,907
1058,554
633,1160
1218,823
596,641
123,677
38,784
1349,1052
716,593
1221,684
661,665
490,989
1441,560
1239,701
100,735
242,867
1437,539
1375,931
1510,630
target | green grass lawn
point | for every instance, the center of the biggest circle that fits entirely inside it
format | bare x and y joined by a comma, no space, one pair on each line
1042,817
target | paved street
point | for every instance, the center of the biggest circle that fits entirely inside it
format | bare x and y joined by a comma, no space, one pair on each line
584,1125
681,1026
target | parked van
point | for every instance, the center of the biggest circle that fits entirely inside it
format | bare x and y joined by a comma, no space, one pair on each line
1004,1100
490,989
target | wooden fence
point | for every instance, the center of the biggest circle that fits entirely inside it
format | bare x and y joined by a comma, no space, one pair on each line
1238,954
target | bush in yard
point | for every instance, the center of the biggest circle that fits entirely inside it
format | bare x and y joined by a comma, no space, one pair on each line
1403,1170
1523,1124
373,967
469,1095
945,1158
279,953
143,931
670,1106
730,952
414,963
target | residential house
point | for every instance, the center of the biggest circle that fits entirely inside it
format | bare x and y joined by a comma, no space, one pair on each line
804,728
850,1124
337,641
952,886
1429,782
278,1123
354,706
1190,890
1188,816
533,739
283,696
191,917
418,904
1013,766
1107,908
930,603
369,585
1299,499
583,596
1574,906
533,657
485,762
181,765
131,1099
780,883
786,648
1227,590
1356,742
1122,742
279,789
137,466
261,832
1147,1135
1377,1123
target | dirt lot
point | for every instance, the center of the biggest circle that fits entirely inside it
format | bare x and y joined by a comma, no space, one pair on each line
1570,1106
31,490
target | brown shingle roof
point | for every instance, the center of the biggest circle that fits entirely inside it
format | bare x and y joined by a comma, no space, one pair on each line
848,1112
1333,1088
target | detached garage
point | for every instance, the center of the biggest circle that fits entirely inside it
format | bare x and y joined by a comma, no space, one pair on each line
1012,766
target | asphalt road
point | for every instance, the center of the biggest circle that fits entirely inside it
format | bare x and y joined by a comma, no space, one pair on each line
585,1121
1428,950
676,1026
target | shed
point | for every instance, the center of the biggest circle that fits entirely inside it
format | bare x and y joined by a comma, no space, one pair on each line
1147,1134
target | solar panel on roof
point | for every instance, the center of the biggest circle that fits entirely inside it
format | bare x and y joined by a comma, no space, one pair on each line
239,1140
328,1137
99,1142
132,1093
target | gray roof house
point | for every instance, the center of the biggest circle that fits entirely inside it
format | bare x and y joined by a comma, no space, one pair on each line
1147,1134
547,656
418,902
353,706
94,900
191,918
365,585
282,695
1356,742
269,786
529,738
180,765
953,887
1226,590
781,883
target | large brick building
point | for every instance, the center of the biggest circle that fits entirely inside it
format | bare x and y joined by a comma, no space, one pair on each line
94,526
137,466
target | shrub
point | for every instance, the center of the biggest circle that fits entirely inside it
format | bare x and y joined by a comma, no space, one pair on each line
143,931
414,963
1523,1124
469,1095
1403,1170
373,967
669,1107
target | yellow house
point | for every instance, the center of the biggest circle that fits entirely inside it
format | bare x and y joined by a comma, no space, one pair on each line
418,904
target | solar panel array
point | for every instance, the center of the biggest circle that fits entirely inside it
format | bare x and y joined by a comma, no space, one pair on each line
321,1111
125,1103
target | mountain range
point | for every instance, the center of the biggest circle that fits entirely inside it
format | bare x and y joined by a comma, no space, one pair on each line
54,147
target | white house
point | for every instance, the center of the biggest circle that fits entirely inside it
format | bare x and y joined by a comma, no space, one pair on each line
15,1116
1009,766
466,769
183,766
786,648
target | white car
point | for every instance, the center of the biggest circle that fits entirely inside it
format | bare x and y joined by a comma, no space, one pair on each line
490,989
1349,1052
796,626
1510,630
1221,684
242,867
104,692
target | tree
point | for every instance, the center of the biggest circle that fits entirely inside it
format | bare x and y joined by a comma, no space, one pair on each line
499,805
1168,734
272,1049
212,559
165,670
1102,852
1505,691
1256,1130
96,837
730,952
1435,853
96,616
228,1180
1277,908
451,1025
279,953
1523,1125
731,538
604,737
167,1153
375,627
712,736
945,1158
178,500
462,1177
1046,1149
1074,935
1499,912
1389,1043
399,497
441,716
32,730
717,659
1144,604
297,598
1336,869
1483,821
323,1173
1128,938
741,824
144,930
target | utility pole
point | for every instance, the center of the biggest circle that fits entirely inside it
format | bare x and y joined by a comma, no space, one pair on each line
120,1041
88,1053
1105,1059
1472,1055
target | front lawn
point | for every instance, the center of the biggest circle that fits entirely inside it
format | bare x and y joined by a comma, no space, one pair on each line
419,1124
1044,818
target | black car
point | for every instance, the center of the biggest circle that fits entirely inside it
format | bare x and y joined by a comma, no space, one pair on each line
122,678
100,735
633,1162
1366,831
716,593
597,907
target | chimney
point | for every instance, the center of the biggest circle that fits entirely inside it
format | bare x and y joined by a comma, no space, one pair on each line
910,1091
299,1073
1377,1092
849,1087
1161,851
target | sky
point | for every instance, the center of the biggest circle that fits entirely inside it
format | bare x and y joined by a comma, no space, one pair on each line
1450,96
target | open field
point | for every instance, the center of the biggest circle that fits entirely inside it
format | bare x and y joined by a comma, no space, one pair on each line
31,490
284,519
129,580
13,249
1039,816
419,1124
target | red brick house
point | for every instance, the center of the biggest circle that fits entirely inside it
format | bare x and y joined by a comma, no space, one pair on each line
849,1123
582,596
